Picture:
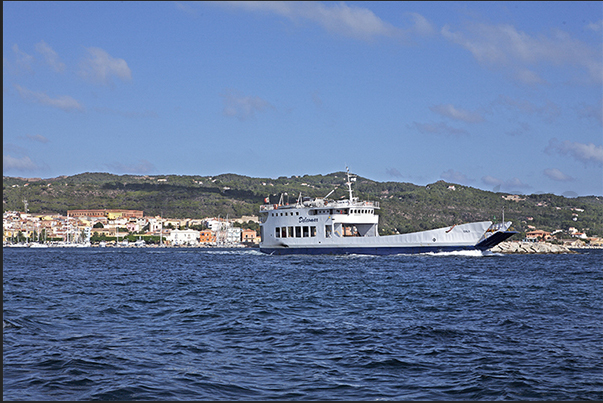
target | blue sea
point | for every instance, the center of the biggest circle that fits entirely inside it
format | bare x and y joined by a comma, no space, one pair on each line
220,324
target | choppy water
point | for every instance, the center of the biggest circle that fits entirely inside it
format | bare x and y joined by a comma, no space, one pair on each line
202,324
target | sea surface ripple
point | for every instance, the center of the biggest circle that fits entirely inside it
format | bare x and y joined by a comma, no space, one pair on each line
217,324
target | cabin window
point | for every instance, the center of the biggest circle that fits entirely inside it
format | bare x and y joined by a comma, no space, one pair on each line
306,232
297,213
328,230
313,231
284,232
290,232
278,232
298,232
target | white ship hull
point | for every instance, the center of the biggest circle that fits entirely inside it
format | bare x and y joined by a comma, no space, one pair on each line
470,236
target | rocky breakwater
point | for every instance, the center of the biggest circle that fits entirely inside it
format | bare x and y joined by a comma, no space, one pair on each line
530,247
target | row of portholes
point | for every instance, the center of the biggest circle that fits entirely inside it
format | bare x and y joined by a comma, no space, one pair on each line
356,211
286,214
295,232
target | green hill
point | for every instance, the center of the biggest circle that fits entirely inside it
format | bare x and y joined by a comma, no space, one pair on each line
404,207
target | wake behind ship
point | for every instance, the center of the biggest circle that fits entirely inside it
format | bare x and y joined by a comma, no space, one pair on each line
325,226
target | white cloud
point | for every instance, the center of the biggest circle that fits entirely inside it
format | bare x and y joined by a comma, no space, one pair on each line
529,77
510,184
142,167
317,99
393,172
441,129
450,111
557,175
100,67
594,112
350,21
37,137
10,163
491,181
51,57
503,45
24,60
586,153
243,107
595,26
519,131
515,183
185,6
421,25
455,176
64,102
549,111
127,114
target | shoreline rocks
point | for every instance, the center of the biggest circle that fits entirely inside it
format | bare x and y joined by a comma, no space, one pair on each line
530,247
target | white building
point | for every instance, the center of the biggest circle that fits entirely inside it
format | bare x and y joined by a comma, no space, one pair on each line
217,224
187,237
154,224
233,235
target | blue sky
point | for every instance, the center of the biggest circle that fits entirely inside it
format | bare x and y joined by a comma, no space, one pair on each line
494,95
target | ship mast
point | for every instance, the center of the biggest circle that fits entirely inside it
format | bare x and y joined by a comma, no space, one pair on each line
349,183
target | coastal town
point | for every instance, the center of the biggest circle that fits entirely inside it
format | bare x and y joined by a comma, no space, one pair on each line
123,228
131,228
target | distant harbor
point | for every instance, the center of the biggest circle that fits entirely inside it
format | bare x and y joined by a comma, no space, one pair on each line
124,228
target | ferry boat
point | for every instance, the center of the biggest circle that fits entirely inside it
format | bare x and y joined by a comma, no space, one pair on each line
350,226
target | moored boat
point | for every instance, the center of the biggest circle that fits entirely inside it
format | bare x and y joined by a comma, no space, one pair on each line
350,226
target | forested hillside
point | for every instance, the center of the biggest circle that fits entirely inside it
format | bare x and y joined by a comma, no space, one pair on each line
404,207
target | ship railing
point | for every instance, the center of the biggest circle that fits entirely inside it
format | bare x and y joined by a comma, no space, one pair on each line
346,203
268,207
501,226
338,203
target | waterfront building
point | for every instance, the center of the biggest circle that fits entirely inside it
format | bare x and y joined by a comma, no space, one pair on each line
207,237
188,237
109,213
249,236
